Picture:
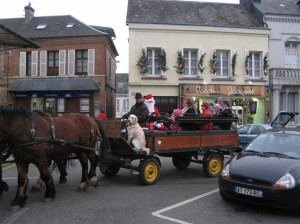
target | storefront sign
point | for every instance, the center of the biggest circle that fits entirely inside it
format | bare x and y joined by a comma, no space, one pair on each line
240,92
199,89
62,94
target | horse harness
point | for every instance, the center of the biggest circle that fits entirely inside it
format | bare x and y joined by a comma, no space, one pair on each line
48,139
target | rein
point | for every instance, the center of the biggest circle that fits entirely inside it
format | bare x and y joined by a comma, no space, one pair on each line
49,139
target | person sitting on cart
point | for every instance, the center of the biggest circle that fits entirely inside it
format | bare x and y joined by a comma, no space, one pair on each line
140,110
226,112
188,111
175,126
206,113
150,102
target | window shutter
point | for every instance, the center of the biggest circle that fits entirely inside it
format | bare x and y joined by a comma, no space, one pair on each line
43,63
91,61
62,62
22,64
34,64
71,62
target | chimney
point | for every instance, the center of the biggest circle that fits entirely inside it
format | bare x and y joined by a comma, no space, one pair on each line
29,13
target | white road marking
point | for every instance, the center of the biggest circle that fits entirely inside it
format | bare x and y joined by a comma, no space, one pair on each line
158,213
15,216
15,178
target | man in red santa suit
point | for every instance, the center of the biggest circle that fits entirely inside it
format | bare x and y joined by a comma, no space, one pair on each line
150,102
153,110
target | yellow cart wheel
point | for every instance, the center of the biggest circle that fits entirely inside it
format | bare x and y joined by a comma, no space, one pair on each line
149,171
213,164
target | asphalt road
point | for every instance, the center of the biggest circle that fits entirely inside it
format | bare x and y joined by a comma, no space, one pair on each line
178,197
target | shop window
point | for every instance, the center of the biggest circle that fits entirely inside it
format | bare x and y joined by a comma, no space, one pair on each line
222,63
53,63
84,105
50,106
37,104
81,62
190,62
61,105
166,104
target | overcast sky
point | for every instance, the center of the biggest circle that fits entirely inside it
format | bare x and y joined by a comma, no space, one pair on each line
109,13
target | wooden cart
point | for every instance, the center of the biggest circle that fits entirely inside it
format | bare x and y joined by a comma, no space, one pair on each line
203,147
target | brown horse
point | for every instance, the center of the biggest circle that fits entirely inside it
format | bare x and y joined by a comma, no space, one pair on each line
35,137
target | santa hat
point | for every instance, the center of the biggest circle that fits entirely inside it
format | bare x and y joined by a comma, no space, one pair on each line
148,97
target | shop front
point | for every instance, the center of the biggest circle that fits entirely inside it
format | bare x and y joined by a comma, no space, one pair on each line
249,102
56,96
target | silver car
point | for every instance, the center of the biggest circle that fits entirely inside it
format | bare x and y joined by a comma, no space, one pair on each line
248,132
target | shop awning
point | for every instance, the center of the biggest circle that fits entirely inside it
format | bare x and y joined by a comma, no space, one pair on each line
12,39
73,84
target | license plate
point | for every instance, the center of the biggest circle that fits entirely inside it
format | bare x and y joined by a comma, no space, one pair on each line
250,192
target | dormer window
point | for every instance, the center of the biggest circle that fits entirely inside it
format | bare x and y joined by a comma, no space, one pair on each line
41,26
70,25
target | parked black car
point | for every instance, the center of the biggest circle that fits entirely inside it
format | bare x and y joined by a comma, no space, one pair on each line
267,171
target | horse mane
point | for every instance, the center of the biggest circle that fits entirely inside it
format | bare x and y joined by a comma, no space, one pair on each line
9,112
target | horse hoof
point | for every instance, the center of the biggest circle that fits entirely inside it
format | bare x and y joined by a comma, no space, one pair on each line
15,208
48,199
62,180
82,187
94,181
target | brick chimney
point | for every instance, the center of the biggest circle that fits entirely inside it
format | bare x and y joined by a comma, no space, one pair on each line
29,13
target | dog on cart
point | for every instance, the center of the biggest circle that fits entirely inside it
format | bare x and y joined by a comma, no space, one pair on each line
136,135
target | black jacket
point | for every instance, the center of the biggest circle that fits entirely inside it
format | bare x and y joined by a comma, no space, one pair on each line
140,110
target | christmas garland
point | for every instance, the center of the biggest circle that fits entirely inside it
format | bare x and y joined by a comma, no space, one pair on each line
200,63
180,63
266,65
142,63
213,63
233,64
247,67
163,60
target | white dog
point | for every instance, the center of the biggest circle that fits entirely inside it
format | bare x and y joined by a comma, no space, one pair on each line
136,135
